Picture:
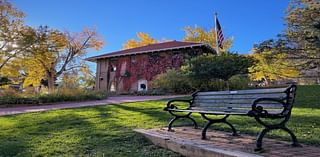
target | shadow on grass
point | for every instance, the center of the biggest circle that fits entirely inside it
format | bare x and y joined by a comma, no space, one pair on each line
63,133
47,135
94,131
160,116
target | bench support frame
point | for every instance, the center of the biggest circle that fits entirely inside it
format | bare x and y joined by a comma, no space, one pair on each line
176,117
269,127
212,121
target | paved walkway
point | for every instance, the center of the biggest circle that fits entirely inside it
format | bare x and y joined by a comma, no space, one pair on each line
110,100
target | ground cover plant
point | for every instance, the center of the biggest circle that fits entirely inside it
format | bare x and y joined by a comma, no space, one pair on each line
14,98
108,130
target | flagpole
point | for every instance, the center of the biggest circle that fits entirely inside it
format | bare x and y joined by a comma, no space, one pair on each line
217,42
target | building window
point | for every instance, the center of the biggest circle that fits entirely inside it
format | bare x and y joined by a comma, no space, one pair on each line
142,85
113,68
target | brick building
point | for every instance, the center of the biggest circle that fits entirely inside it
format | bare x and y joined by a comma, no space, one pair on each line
133,69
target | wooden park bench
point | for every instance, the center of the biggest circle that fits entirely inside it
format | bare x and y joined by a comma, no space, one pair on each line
261,104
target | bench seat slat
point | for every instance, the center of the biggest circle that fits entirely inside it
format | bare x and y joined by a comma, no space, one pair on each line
243,112
221,111
225,101
250,91
252,96
229,109
246,110
269,106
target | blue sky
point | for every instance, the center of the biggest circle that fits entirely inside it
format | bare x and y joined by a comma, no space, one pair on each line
247,21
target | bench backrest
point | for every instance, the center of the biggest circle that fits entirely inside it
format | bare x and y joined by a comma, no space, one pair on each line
243,99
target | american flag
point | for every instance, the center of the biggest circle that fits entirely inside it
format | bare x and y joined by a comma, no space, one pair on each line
219,34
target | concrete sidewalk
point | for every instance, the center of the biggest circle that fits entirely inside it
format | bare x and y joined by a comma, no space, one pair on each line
109,100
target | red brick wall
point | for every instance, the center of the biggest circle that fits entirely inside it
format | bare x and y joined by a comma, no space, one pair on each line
144,66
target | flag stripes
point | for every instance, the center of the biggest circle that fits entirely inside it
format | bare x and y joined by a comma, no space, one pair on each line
219,34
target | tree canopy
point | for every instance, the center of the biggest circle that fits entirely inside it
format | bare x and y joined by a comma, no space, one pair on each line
303,27
57,52
224,66
198,34
294,52
303,34
143,40
11,30
271,66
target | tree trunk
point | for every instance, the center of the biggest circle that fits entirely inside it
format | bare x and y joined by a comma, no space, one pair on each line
51,80
266,82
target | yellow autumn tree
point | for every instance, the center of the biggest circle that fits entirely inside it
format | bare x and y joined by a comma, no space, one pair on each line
32,72
11,72
272,66
57,53
198,34
11,34
143,40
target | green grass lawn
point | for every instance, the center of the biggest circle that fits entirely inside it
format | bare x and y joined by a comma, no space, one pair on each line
108,130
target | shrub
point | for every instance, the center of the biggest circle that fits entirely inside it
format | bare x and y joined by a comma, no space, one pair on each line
5,81
8,92
58,96
239,82
213,72
207,67
157,92
62,95
210,85
172,81
154,91
234,83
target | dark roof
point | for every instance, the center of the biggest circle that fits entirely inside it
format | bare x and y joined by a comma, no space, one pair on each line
170,45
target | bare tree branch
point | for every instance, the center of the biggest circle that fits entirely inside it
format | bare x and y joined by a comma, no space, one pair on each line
73,67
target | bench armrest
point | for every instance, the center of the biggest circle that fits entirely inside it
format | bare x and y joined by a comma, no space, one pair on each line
170,104
259,111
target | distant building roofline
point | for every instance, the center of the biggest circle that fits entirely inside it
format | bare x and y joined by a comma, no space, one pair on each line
157,47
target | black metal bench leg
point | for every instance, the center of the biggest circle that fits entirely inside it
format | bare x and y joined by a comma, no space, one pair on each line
234,131
178,117
211,121
204,130
295,142
259,139
194,122
281,125
171,122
